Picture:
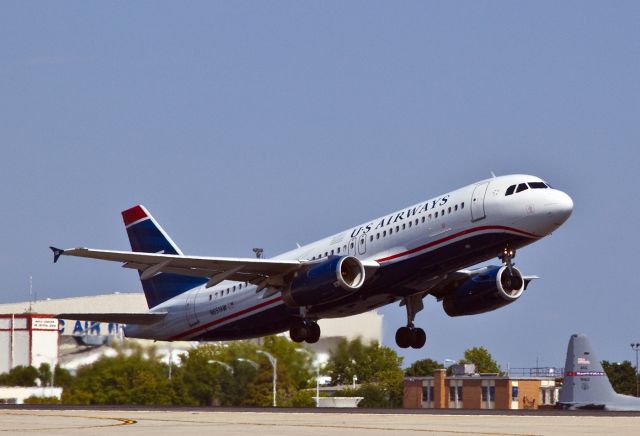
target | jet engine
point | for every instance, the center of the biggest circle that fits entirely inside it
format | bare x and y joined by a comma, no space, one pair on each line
326,281
493,288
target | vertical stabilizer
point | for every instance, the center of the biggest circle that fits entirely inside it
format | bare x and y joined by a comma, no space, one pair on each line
146,236
585,382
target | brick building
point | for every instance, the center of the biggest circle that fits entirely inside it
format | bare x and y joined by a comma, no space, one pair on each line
478,391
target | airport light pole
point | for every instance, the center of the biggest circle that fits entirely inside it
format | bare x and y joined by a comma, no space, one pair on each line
224,365
250,362
317,365
636,347
274,363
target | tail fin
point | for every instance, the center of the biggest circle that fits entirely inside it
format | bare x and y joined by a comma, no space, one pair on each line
585,382
146,236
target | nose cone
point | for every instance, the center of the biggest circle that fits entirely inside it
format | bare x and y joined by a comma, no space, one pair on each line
559,207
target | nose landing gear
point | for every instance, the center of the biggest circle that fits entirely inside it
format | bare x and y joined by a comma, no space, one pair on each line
506,257
411,336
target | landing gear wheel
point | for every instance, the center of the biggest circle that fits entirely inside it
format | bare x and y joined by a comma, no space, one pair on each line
298,332
419,338
313,333
404,337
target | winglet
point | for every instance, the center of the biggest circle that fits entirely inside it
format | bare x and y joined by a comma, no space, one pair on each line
56,253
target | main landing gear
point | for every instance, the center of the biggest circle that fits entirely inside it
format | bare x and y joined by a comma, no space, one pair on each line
304,330
411,336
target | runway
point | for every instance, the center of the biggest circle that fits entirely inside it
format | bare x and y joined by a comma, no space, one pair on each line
295,422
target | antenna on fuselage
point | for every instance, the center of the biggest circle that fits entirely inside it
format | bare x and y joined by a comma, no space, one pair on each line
493,175
258,252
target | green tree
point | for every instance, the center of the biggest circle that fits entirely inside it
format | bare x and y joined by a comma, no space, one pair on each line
208,384
482,359
62,377
20,376
134,376
622,376
44,374
367,362
423,367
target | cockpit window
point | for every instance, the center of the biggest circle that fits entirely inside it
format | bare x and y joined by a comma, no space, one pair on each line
521,187
537,185
510,190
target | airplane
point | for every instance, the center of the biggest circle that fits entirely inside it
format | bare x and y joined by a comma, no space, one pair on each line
586,385
424,249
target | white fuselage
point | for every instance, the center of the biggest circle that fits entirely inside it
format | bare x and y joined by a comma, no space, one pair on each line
411,246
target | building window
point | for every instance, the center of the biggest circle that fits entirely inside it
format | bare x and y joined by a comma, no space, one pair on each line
492,393
514,393
485,392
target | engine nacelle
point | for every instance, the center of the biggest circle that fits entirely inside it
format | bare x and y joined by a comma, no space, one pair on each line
323,282
484,292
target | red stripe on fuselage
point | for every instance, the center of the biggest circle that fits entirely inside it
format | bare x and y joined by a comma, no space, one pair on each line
455,235
132,215
226,318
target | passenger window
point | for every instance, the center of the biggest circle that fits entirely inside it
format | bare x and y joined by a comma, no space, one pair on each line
409,223
436,214
462,205
442,213
429,216
326,253
210,297
455,207
449,209
397,228
332,252
423,220
338,250
391,231
370,239
522,187
377,235
404,226
510,190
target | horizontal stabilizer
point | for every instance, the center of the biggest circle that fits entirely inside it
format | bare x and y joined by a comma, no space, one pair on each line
120,318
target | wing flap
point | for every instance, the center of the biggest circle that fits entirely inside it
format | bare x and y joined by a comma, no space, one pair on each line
120,318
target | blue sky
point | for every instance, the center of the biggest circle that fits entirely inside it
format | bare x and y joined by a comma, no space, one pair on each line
244,124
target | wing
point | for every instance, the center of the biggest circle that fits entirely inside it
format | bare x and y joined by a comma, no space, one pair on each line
120,318
216,269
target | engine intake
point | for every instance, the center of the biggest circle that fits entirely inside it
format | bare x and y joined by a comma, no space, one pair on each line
494,288
326,281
